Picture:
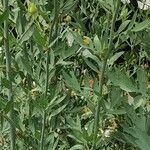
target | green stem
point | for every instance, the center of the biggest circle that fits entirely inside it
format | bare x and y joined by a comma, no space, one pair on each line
47,73
97,113
8,72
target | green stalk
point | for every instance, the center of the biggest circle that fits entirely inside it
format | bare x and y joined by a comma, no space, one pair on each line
47,73
22,20
97,113
8,73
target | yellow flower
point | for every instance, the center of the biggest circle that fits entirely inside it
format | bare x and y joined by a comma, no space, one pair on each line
86,112
67,19
86,40
32,9
35,92
78,30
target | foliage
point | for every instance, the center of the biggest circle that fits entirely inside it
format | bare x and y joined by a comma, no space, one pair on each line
57,50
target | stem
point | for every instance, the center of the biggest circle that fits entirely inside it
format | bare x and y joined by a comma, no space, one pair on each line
97,113
47,72
8,73
22,20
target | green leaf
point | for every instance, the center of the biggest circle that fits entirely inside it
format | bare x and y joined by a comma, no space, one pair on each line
77,147
123,26
6,83
143,140
55,102
21,5
114,58
26,65
8,106
38,37
4,16
71,81
91,65
141,26
131,24
57,111
87,54
52,57
115,96
117,111
142,80
63,63
2,104
119,78
97,43
27,34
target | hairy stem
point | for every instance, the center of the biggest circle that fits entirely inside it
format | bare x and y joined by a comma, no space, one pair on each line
97,113
8,72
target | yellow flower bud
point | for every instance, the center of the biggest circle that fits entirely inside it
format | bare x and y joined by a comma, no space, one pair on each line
67,19
32,9
78,30
86,40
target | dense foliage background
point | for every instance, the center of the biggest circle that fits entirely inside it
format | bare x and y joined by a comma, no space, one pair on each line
74,75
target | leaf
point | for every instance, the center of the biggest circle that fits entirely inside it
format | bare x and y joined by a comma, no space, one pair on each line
143,140
141,26
97,43
55,144
91,65
123,26
117,111
145,39
57,111
6,83
119,78
132,21
87,54
69,51
107,5
4,16
2,104
61,62
8,106
55,102
77,147
71,81
26,65
23,63
38,37
114,58
21,5
142,80
115,96
52,57
27,34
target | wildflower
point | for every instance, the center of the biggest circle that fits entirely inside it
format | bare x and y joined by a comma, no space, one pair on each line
67,19
78,30
86,40
32,9
107,133
35,92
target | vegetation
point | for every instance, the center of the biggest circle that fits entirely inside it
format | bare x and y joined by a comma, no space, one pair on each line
74,75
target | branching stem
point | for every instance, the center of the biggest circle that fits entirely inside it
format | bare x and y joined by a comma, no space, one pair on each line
8,72
97,113
47,72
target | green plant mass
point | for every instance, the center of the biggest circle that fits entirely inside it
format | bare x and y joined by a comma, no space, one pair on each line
74,75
